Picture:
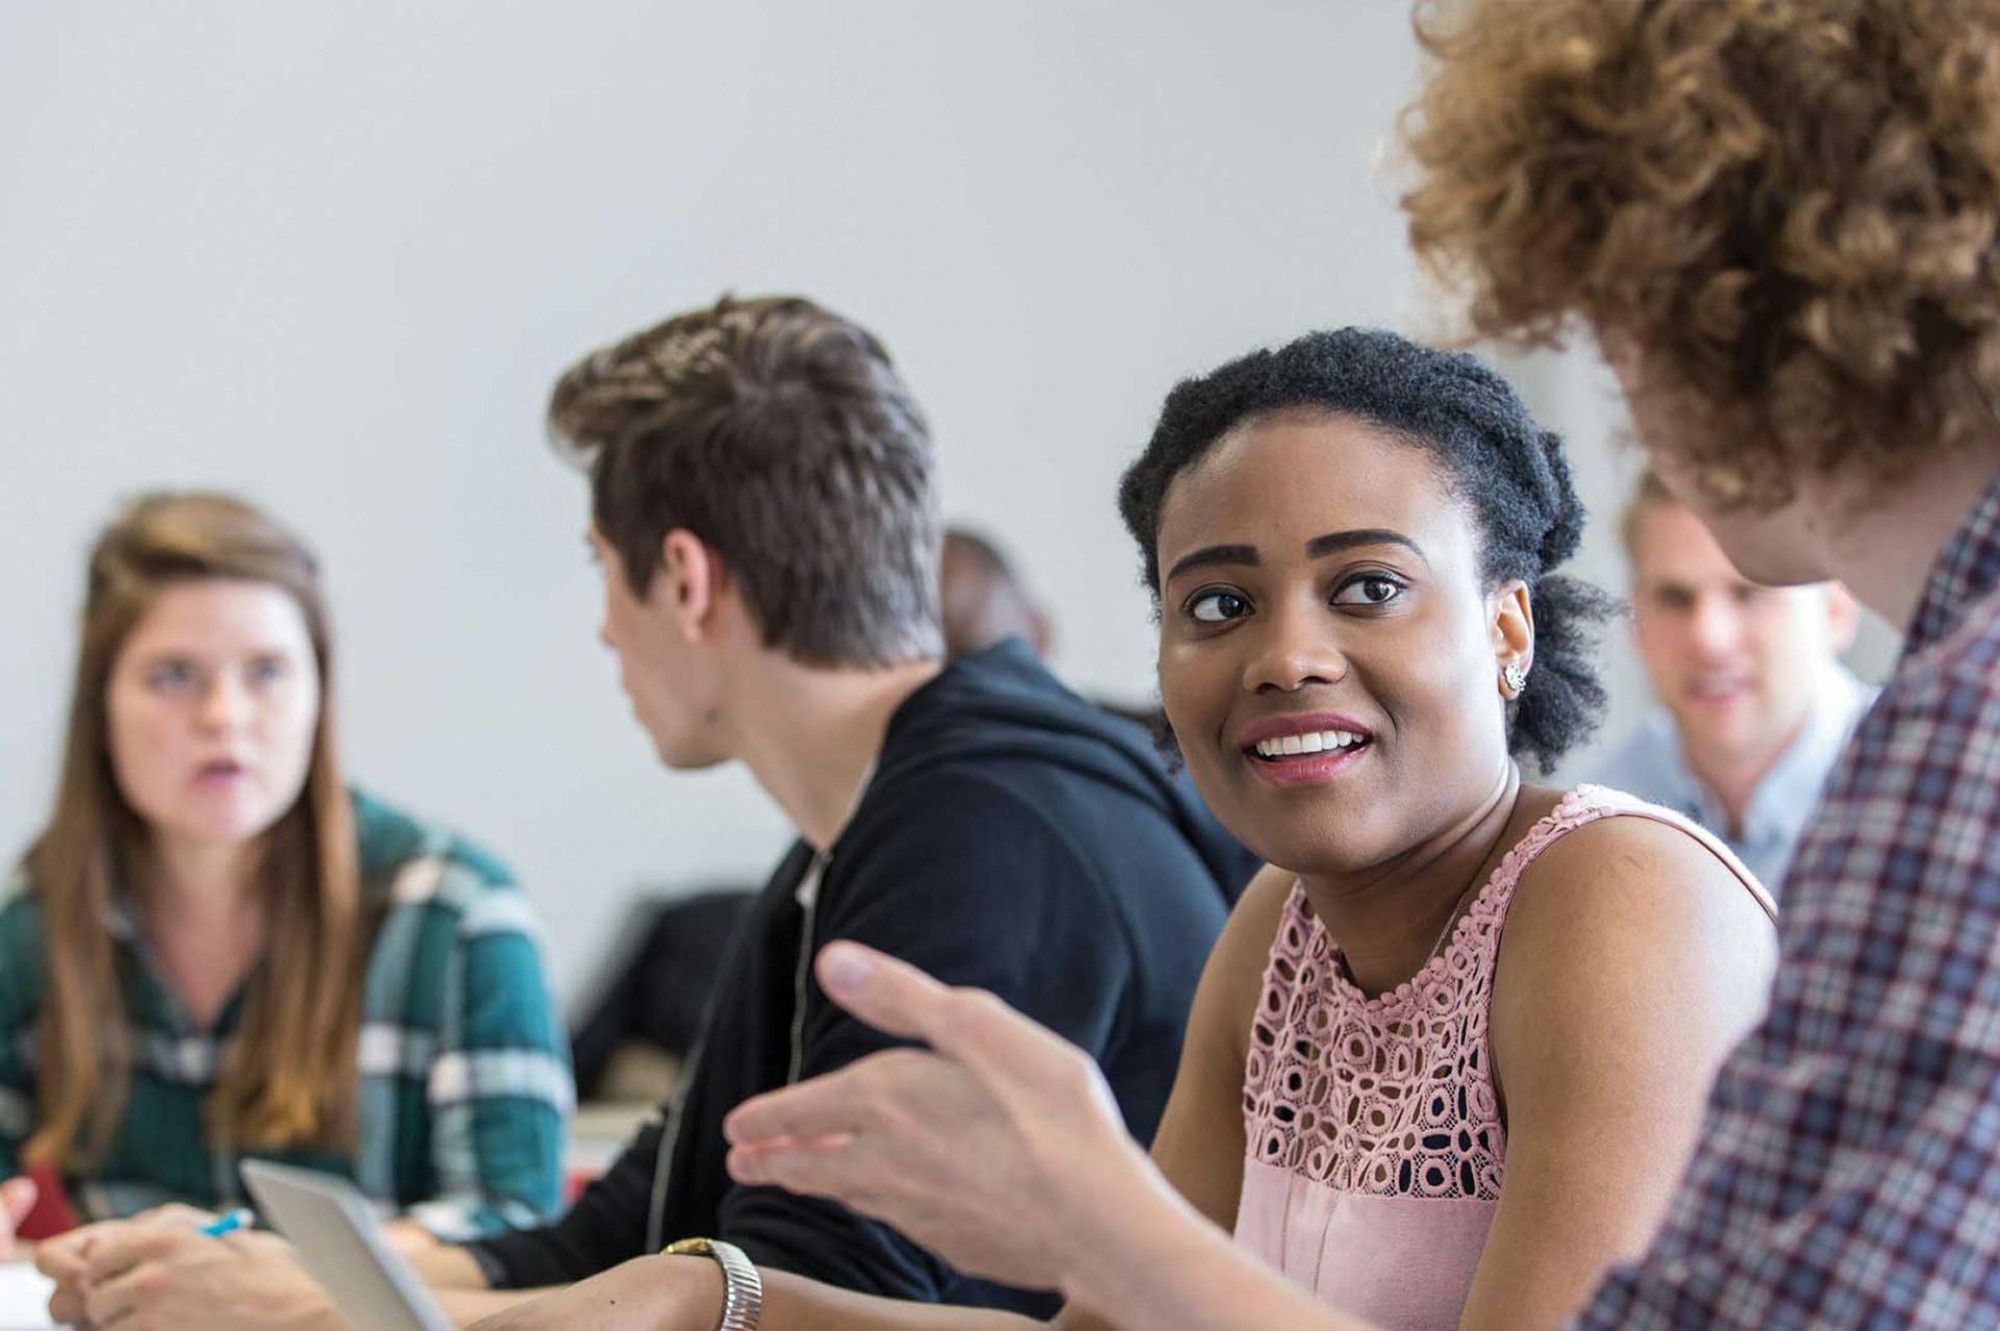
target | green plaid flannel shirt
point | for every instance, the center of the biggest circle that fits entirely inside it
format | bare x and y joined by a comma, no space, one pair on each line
465,1091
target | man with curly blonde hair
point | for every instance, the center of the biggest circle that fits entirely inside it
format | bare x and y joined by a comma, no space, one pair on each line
1780,219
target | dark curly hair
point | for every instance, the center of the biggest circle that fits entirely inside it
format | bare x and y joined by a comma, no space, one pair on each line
1788,209
1508,471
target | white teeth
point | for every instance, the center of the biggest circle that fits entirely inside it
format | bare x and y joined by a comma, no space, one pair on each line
1288,746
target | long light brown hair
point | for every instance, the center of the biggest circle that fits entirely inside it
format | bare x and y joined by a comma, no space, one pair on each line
291,1078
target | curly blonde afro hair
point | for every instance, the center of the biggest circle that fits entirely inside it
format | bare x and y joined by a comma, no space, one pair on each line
1786,208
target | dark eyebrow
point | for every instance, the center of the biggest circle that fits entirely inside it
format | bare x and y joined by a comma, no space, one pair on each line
1319,547
1214,554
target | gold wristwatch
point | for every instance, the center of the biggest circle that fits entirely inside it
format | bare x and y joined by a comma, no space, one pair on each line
742,1287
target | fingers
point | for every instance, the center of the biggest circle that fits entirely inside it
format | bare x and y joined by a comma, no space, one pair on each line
968,1025
90,1252
997,1045
105,1302
65,1260
62,1259
178,1213
17,1198
122,1248
891,995
818,1108
65,1257
257,1245
826,1167
132,1267
66,1306
868,1096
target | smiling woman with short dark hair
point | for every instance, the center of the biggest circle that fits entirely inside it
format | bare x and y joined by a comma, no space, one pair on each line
1451,1052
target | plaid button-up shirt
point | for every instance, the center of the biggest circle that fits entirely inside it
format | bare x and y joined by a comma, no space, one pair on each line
1849,1172
465,1090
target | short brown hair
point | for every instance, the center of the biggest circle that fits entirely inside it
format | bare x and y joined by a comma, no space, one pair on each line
1787,207
782,436
1649,493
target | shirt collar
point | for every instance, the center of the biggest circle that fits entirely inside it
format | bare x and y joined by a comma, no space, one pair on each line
1787,795
1966,570
1666,763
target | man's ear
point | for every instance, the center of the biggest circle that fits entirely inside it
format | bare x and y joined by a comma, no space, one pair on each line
689,584
1513,626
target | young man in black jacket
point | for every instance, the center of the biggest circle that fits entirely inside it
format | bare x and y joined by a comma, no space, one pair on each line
763,509
764,512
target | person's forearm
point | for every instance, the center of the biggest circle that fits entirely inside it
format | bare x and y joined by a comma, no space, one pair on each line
1164,1267
794,1303
1174,1276
461,1288
466,1306
409,1238
449,1267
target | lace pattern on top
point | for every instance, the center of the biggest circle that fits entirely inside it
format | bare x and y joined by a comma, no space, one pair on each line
1390,1096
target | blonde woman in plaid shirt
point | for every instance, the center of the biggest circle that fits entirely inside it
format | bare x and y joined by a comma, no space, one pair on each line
216,950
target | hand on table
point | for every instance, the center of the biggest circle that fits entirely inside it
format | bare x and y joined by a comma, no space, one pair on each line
1000,1147
17,1198
65,1258
160,1273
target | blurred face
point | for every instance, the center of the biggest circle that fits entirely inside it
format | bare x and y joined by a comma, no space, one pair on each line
1775,548
980,607
211,709
1327,650
668,680
1734,662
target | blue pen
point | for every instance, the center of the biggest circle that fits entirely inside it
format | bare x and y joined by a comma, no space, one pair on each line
241,1218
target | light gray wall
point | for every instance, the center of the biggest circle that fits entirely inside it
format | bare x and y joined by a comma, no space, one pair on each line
332,255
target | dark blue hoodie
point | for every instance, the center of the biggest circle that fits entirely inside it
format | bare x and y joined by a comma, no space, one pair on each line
1013,837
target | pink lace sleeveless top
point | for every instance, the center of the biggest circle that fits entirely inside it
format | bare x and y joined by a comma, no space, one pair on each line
1376,1149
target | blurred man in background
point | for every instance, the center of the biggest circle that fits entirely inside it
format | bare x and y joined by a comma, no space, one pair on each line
1754,704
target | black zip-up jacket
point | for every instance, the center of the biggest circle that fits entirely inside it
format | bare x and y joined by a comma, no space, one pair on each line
1013,837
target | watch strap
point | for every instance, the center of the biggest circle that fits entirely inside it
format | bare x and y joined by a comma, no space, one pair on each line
742,1286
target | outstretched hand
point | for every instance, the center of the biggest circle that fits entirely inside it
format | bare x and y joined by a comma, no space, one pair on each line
999,1146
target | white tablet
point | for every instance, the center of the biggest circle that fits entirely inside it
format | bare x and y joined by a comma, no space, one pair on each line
340,1241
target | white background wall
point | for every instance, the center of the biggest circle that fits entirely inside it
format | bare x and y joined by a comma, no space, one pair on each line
333,255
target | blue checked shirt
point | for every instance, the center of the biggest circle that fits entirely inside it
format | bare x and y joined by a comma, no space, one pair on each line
465,1090
1652,765
1849,1172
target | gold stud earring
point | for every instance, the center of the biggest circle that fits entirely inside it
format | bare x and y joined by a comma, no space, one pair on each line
1514,677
